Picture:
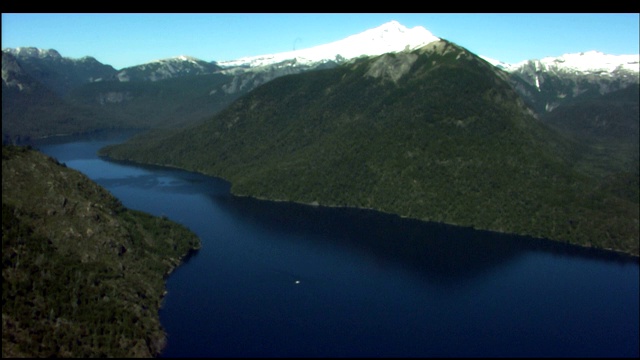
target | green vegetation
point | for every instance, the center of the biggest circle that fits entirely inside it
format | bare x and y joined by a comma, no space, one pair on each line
447,141
144,104
38,112
82,276
606,129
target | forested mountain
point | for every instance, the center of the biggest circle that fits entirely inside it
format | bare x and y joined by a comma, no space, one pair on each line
604,126
169,103
612,116
427,130
167,69
30,109
551,82
436,134
164,94
82,276
84,95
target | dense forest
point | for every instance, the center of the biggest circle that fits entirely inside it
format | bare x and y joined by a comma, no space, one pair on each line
437,134
82,276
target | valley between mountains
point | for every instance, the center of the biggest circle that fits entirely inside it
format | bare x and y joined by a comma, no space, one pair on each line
421,128
436,134
392,119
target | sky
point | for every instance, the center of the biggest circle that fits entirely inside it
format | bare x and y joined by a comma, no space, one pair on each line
123,40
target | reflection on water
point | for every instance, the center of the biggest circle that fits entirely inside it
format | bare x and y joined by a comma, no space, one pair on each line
439,250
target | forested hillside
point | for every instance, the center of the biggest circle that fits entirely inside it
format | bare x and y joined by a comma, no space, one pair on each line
436,134
82,276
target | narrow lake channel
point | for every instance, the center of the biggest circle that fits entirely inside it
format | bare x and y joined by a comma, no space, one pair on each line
286,280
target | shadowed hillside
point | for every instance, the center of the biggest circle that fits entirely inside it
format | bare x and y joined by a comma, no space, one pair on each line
606,127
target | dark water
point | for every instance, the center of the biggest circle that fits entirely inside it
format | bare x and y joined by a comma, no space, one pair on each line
285,280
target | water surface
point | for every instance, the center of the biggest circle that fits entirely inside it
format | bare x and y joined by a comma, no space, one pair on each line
283,280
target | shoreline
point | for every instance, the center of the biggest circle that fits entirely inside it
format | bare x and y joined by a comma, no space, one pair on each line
316,203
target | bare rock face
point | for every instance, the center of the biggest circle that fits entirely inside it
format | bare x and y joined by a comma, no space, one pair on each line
392,66
13,76
33,52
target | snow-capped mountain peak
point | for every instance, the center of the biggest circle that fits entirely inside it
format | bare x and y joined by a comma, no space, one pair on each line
497,63
33,52
594,62
167,68
178,59
388,37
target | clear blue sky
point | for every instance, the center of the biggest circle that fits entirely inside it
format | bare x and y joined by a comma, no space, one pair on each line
123,40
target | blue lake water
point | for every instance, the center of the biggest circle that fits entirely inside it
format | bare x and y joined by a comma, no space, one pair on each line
284,280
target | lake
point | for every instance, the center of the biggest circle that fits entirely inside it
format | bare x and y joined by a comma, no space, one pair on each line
276,279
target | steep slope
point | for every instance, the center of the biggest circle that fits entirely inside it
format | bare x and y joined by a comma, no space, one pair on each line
30,109
613,116
436,134
606,127
58,73
188,89
388,37
165,103
166,93
182,90
82,276
251,72
167,69
551,82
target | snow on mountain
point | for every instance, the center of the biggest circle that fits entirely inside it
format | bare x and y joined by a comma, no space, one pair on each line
394,37
167,68
180,59
497,63
33,52
46,54
593,62
590,62
388,37
549,82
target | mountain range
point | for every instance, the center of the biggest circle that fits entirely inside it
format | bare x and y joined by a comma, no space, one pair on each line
436,134
93,88
404,122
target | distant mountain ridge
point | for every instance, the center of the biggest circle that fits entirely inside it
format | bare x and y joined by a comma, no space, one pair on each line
30,109
167,68
58,73
33,52
362,106
585,62
436,134
552,81
388,37
543,84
